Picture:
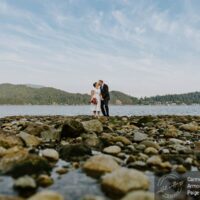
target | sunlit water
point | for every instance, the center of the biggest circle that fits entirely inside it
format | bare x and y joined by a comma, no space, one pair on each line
86,110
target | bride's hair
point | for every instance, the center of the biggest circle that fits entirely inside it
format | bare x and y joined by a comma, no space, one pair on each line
94,84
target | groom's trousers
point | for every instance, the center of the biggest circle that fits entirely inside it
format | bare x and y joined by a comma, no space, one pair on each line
105,108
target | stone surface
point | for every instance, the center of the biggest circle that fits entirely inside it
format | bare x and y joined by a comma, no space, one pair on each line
25,182
29,140
47,195
112,150
50,135
45,180
138,136
100,164
93,126
124,180
139,195
192,127
50,154
72,128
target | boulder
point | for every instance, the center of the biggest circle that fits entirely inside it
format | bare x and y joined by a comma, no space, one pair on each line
50,154
100,164
36,128
29,140
8,140
93,126
72,128
19,163
47,195
124,180
75,152
91,140
50,135
139,195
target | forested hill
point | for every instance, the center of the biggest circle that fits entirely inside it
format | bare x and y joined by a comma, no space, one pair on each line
39,95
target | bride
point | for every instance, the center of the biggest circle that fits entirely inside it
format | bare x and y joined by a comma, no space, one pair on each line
96,99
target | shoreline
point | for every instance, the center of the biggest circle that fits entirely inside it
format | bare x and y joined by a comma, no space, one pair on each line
54,150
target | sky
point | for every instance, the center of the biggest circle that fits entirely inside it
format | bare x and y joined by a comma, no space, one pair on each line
140,47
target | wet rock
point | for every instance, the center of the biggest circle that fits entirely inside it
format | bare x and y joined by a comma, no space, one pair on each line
72,128
93,126
75,152
25,182
144,120
123,180
192,127
112,150
45,180
8,140
50,135
29,140
100,164
50,154
62,171
138,136
21,162
140,165
139,195
92,197
47,195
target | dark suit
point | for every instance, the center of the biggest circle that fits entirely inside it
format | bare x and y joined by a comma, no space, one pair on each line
106,97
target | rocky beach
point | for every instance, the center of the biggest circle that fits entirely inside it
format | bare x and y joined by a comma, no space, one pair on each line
84,158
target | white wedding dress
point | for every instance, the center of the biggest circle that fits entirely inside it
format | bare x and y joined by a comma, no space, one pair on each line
97,95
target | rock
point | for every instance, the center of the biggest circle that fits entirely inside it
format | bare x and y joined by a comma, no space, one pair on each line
93,126
45,180
138,136
139,195
151,150
50,154
154,160
25,182
72,128
192,127
144,120
176,141
2,151
47,195
8,140
148,143
91,140
21,162
92,197
123,180
29,140
75,152
100,164
112,150
62,171
171,131
140,165
35,128
50,135
109,139
180,169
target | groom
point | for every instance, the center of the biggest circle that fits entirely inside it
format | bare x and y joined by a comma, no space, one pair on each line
105,98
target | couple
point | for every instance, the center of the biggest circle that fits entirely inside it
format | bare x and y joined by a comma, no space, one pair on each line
100,98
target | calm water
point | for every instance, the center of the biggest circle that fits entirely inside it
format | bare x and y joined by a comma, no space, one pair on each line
85,110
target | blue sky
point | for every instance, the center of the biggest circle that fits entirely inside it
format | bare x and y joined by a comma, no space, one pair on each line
141,47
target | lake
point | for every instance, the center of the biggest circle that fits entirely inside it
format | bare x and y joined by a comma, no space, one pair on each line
11,110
